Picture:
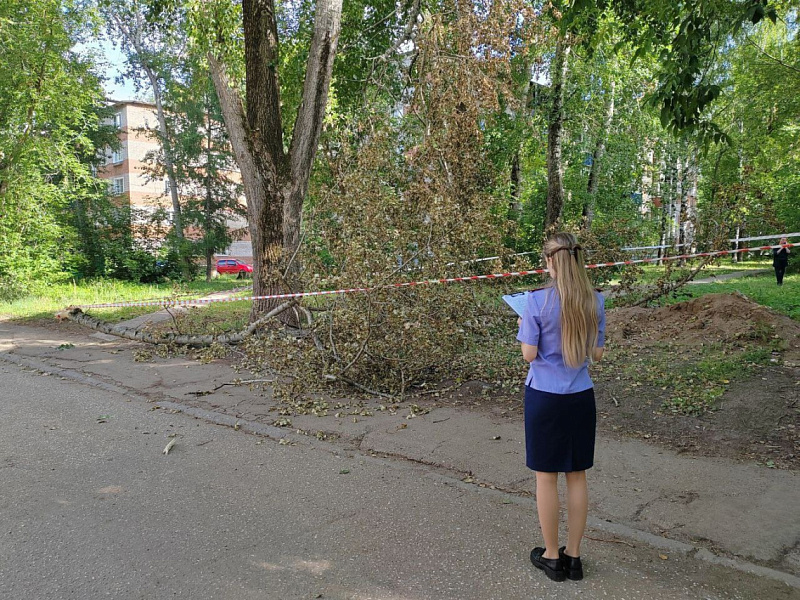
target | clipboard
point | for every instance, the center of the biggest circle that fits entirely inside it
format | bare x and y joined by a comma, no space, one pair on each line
517,301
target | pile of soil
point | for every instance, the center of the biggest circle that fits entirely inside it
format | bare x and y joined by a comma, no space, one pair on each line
758,416
714,318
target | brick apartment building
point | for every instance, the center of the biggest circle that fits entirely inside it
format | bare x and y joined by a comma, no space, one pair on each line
127,172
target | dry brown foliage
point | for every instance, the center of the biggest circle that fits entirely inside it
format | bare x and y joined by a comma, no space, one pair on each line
406,198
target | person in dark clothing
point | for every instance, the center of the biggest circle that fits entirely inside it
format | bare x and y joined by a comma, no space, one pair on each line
780,260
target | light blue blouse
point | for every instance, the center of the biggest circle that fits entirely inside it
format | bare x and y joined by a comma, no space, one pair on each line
541,327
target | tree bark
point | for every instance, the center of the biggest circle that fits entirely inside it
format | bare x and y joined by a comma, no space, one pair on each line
515,207
194,341
207,212
682,207
308,126
555,185
597,157
736,257
169,165
670,227
666,207
275,182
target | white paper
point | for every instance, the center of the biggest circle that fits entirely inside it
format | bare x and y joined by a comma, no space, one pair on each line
517,301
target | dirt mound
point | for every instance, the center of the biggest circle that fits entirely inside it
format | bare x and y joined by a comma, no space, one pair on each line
725,318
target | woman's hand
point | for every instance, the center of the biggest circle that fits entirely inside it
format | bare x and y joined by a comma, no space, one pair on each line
519,322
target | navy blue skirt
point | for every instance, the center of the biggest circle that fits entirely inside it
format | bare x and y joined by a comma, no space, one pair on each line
559,430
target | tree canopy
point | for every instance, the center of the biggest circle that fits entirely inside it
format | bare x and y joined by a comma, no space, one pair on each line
50,109
638,121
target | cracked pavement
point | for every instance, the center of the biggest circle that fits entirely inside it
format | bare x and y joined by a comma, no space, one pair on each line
734,511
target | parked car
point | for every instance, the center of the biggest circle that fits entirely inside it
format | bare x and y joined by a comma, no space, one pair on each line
233,266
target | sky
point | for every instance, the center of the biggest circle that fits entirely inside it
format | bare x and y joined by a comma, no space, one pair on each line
110,66
115,58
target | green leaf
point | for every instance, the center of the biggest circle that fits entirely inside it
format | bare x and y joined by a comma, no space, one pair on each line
666,116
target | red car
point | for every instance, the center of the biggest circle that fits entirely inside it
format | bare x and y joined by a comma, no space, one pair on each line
231,265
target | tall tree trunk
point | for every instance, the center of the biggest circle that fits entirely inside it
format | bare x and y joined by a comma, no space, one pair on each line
515,206
597,157
663,229
682,226
666,206
133,31
671,212
525,102
169,165
683,211
275,182
736,256
207,212
555,185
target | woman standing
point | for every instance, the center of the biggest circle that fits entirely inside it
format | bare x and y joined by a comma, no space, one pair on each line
563,325
780,260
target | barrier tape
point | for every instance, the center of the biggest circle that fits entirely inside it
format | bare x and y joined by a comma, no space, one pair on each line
199,301
183,295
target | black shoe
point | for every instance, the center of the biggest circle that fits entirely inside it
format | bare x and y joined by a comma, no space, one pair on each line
573,568
552,567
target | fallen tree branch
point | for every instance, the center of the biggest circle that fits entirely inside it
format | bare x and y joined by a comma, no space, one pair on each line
333,378
436,390
236,382
366,341
667,288
174,320
193,341
169,446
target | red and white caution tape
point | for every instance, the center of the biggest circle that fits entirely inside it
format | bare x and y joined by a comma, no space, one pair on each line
199,301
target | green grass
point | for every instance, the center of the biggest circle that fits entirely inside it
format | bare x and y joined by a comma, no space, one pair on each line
45,302
692,380
759,288
697,387
651,273
214,319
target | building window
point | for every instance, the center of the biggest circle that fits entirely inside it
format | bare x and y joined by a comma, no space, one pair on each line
116,156
118,120
117,186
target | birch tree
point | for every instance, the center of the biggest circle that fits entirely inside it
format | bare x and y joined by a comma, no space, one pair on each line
151,53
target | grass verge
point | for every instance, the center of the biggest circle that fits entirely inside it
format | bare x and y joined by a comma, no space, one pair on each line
650,273
688,381
212,319
45,302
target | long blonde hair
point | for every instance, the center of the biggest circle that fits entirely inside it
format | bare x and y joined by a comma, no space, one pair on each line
579,306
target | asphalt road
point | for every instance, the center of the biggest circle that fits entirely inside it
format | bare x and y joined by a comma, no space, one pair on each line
91,508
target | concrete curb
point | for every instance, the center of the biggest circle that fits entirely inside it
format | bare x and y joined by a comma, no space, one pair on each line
272,432
746,567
